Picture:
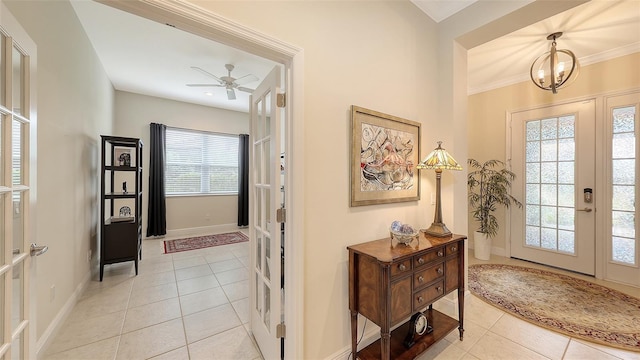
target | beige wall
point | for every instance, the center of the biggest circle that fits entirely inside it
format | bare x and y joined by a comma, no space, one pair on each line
75,102
378,55
488,110
134,113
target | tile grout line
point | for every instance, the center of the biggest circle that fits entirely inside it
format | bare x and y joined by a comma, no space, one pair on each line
184,329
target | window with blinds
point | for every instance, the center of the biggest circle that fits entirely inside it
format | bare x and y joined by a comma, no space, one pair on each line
201,163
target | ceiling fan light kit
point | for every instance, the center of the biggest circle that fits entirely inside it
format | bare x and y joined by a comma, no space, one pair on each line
228,82
559,75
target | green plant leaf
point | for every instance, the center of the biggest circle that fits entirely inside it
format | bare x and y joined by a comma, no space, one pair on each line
489,185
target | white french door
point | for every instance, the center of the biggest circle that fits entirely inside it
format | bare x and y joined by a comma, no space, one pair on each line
553,157
17,188
266,220
622,223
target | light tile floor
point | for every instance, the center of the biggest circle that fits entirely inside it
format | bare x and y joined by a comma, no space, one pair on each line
194,305
490,333
187,305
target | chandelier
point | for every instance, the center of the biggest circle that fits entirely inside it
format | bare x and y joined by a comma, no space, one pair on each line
562,67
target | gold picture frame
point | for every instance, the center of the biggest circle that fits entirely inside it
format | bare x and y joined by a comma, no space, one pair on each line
385,150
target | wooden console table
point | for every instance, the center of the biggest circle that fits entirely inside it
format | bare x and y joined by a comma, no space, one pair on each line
388,282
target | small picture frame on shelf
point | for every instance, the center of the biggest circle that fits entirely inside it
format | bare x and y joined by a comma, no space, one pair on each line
122,157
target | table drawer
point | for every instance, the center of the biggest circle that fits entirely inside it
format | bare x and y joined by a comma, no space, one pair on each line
423,277
400,268
427,257
452,249
426,296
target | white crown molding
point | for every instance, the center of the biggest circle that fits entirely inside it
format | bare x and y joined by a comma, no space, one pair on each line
202,21
584,61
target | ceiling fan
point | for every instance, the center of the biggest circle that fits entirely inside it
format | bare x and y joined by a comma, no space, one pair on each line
228,82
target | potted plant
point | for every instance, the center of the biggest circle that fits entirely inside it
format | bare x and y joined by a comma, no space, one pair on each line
489,184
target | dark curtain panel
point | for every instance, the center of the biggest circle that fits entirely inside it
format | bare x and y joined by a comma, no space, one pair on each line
157,217
243,180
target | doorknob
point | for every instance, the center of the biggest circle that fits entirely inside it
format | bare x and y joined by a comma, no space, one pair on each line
37,250
585,209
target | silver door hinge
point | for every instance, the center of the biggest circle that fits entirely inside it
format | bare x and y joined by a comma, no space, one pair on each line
281,100
281,215
281,330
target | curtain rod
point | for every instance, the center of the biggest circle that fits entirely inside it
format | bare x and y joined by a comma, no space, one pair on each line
197,131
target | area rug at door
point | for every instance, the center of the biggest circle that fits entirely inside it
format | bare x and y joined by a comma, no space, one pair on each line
200,242
565,304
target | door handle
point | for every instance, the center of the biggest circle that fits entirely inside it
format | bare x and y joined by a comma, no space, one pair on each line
585,209
37,250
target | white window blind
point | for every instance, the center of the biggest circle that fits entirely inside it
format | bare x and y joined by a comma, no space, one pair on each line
201,163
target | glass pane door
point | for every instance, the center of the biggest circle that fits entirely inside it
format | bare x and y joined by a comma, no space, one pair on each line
266,307
622,262
550,174
553,157
17,75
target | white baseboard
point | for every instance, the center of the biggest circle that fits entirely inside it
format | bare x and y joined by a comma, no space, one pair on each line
52,330
498,251
371,336
203,230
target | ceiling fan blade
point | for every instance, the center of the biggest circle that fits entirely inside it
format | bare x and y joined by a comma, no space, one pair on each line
245,89
205,72
246,79
204,85
231,95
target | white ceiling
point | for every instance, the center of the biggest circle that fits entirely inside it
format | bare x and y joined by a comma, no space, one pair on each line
595,31
439,10
146,57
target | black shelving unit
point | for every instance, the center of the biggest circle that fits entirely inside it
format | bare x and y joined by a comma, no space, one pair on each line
120,201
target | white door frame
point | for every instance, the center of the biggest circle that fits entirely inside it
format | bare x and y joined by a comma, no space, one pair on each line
199,21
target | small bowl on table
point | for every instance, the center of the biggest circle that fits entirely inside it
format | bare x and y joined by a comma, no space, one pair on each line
404,238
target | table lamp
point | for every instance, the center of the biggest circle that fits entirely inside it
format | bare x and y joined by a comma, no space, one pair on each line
438,160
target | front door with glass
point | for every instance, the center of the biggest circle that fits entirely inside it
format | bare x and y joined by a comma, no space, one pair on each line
553,157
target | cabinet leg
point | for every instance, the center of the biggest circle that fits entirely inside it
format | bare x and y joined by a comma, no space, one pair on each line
101,271
354,334
461,310
136,266
385,344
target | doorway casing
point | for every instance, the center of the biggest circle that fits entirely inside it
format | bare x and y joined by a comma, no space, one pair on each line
193,19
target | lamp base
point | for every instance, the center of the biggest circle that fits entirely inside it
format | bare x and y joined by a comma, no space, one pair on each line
437,230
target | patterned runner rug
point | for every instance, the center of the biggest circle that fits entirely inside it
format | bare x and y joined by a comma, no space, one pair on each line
173,246
571,306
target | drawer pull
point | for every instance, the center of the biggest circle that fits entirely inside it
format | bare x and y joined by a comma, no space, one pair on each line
439,289
402,267
439,271
420,261
453,248
420,279
420,299
440,253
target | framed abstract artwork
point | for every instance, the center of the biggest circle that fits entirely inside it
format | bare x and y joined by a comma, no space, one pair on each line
385,150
